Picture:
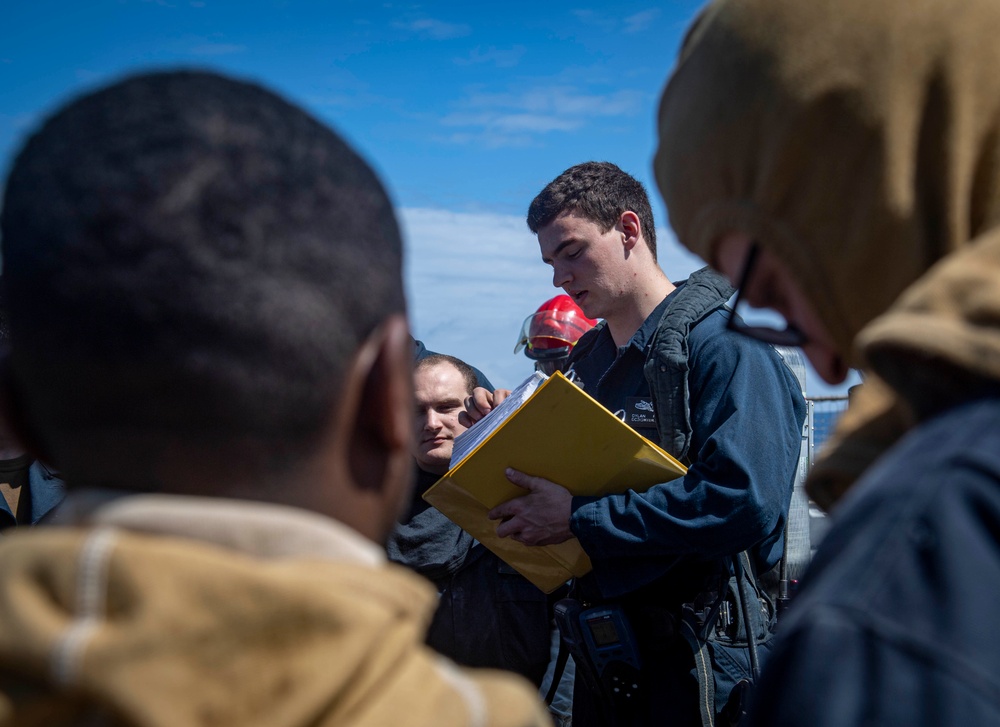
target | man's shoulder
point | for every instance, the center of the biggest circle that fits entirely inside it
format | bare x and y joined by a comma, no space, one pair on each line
47,490
712,325
189,602
900,587
951,456
697,296
710,339
913,541
690,306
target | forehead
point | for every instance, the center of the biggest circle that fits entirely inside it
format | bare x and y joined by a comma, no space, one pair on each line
567,227
439,382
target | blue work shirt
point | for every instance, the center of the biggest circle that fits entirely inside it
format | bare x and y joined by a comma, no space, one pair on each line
614,377
746,412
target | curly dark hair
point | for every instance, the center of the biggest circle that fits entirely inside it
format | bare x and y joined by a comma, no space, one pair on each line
601,192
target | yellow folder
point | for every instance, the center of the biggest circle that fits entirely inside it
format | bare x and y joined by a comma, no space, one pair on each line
564,435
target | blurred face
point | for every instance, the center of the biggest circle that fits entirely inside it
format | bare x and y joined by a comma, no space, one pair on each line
587,264
772,285
440,393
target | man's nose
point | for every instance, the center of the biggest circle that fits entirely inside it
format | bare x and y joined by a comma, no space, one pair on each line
432,422
560,276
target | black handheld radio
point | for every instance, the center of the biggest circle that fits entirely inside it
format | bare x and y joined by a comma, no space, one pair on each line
604,648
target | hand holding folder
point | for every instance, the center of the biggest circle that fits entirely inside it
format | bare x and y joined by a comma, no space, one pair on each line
558,432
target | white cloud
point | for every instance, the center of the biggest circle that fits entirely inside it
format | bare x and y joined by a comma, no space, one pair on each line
505,123
641,20
595,19
534,122
216,49
611,23
560,99
501,58
434,29
509,119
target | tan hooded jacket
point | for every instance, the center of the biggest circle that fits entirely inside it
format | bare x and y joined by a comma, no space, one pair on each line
166,611
860,141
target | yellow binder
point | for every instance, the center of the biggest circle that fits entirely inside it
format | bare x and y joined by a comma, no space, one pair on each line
564,435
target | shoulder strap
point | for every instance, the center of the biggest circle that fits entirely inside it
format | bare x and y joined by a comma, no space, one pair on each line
666,367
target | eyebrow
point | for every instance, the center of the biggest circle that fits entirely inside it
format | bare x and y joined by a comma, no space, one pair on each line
439,402
559,248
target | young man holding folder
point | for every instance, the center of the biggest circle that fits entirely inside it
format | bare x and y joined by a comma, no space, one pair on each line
731,411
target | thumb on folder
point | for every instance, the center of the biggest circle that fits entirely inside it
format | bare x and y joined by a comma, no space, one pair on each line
540,517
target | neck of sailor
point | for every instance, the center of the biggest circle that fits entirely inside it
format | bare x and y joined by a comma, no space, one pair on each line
633,304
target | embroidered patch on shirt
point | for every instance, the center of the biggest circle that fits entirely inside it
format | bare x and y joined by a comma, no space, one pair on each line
639,412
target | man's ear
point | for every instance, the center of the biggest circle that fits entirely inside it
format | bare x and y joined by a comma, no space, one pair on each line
376,426
631,228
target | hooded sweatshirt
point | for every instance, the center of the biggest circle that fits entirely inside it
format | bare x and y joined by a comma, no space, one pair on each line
163,611
860,142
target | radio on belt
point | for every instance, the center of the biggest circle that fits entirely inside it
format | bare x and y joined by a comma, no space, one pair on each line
601,641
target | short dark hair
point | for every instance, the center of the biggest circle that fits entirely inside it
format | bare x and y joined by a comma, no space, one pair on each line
601,192
190,257
436,359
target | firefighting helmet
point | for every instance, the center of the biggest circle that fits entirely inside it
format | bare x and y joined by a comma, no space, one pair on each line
551,332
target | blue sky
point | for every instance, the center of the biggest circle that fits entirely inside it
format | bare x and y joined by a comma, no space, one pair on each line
466,109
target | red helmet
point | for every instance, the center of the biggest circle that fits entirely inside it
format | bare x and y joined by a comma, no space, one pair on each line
552,331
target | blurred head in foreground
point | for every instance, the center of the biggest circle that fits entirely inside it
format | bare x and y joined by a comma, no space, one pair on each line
839,161
204,293
853,143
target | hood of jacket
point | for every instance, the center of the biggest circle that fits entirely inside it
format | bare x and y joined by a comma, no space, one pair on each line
860,142
145,628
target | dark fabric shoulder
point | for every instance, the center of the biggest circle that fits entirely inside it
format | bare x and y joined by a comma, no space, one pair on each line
585,343
47,490
896,600
668,360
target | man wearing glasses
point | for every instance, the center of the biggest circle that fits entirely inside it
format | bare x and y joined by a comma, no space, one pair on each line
724,405
839,158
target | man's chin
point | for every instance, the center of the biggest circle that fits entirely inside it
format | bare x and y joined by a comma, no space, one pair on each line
436,462
589,306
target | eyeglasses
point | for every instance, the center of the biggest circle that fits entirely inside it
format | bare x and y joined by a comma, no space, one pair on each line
788,336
